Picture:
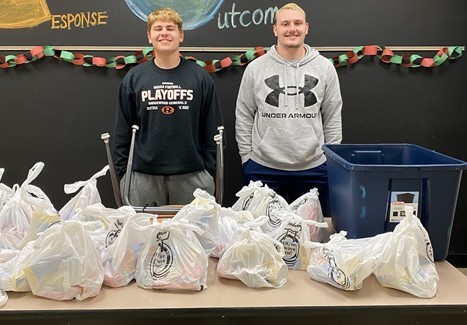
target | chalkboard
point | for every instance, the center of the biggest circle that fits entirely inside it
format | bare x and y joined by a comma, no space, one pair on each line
112,23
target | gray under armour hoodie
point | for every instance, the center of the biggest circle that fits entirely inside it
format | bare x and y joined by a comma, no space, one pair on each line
286,110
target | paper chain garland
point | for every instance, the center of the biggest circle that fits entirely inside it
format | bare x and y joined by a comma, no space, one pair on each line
384,54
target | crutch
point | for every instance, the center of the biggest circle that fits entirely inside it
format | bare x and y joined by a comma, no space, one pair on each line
129,166
219,165
113,174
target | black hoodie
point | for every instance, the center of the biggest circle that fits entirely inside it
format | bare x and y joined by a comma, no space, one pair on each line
177,111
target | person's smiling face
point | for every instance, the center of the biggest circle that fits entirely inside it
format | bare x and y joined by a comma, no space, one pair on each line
290,28
165,36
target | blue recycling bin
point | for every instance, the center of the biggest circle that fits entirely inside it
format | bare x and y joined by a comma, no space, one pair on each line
369,185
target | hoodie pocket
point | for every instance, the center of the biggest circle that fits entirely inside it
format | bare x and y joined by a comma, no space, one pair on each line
289,147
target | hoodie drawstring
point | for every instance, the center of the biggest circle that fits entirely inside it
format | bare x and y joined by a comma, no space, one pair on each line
296,84
286,84
286,102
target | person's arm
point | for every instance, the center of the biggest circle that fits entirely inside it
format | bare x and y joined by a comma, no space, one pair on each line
122,132
212,119
331,108
245,115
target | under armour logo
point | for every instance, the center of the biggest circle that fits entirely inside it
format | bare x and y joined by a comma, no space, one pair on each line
273,97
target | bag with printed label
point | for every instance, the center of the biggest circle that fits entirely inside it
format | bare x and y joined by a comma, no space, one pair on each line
293,234
120,256
88,195
172,258
409,264
308,207
261,201
112,219
255,259
245,195
345,263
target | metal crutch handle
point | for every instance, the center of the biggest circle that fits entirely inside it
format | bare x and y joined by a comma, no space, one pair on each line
113,174
129,166
219,165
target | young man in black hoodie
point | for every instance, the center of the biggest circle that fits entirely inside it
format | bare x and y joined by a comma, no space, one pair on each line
174,103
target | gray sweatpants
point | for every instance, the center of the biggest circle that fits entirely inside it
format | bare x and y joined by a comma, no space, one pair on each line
157,190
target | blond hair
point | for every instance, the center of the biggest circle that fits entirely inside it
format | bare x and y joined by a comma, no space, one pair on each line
290,6
165,14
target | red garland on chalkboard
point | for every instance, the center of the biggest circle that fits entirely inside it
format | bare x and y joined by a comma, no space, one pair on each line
384,54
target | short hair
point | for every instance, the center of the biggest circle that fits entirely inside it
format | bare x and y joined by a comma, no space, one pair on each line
165,14
290,6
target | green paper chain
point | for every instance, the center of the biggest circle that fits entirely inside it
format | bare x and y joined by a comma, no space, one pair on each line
384,54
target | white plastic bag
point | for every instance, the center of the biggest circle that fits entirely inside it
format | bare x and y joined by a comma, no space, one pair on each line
88,195
5,192
245,195
409,265
308,207
65,263
172,258
261,201
293,233
112,219
3,298
345,263
41,219
98,212
119,259
202,212
230,221
16,214
12,277
255,259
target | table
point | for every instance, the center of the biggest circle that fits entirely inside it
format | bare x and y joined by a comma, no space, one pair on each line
225,301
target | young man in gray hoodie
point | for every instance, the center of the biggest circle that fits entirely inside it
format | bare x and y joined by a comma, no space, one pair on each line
289,104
